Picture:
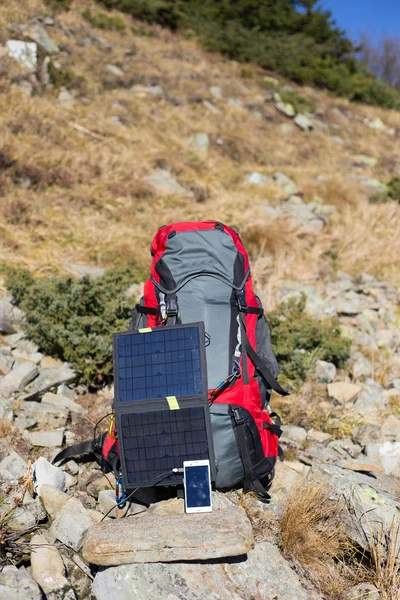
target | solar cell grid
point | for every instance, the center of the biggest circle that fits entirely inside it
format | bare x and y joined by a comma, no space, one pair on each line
162,363
156,442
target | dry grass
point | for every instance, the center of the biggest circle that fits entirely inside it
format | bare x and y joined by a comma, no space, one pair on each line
313,537
385,562
88,200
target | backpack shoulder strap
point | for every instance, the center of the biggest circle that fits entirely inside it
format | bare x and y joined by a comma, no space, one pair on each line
76,450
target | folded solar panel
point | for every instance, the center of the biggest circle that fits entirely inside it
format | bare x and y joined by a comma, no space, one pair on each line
161,402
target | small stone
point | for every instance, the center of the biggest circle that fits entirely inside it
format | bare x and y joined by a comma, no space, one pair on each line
63,401
22,356
21,519
211,107
384,338
200,142
39,35
162,182
387,455
46,439
147,90
65,98
72,467
71,524
25,53
318,436
286,108
343,392
107,505
364,591
286,128
48,569
216,91
104,482
13,467
325,371
46,415
48,362
303,122
49,378
297,434
165,538
362,368
390,429
64,390
289,186
376,123
53,499
114,70
256,179
44,473
18,584
363,159
17,379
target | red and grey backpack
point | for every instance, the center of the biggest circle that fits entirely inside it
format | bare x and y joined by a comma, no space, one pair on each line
200,272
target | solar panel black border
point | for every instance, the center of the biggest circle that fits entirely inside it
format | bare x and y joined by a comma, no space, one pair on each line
158,404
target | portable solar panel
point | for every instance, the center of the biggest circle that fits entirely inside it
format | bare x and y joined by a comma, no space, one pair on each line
161,402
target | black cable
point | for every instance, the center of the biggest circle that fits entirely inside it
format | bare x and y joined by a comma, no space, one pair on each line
162,475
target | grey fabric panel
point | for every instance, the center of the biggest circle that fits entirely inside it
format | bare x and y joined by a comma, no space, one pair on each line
266,353
227,458
207,299
193,253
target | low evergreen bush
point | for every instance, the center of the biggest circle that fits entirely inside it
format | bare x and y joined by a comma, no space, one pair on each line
299,340
74,320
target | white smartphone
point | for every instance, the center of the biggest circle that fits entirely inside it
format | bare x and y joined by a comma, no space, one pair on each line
197,484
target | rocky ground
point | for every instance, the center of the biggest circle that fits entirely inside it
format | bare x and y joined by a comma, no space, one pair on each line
49,543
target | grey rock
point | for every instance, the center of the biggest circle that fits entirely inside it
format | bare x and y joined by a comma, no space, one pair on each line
287,183
200,142
363,159
23,356
13,467
363,591
264,573
318,436
386,338
107,505
25,53
292,432
17,379
216,91
396,384
21,519
46,439
72,467
370,510
374,185
48,569
325,371
6,410
52,499
346,448
27,346
65,98
67,392
303,122
362,368
147,90
386,454
44,473
6,361
45,415
71,524
12,339
39,35
343,392
114,70
372,396
256,179
337,139
375,123
350,303
49,378
18,584
163,183
211,107
169,537
80,270
63,401
285,108
390,429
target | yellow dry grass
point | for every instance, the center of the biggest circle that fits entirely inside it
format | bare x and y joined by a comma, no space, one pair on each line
90,202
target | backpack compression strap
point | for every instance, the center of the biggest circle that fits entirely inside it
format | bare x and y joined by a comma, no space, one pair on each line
257,361
75,450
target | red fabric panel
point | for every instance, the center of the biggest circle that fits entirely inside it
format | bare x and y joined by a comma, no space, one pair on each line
107,446
150,300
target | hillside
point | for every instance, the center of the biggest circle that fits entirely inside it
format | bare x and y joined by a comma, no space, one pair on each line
126,126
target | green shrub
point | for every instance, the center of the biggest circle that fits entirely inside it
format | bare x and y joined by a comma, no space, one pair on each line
299,340
299,102
298,39
103,21
64,78
73,320
59,5
394,189
246,73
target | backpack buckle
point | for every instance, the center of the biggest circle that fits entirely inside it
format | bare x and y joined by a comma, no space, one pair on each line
241,301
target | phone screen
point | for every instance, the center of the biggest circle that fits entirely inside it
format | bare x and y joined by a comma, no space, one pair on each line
197,484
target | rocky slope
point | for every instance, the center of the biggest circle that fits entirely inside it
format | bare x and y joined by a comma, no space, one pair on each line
112,133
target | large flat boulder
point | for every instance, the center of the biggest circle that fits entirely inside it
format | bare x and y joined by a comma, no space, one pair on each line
263,573
169,537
